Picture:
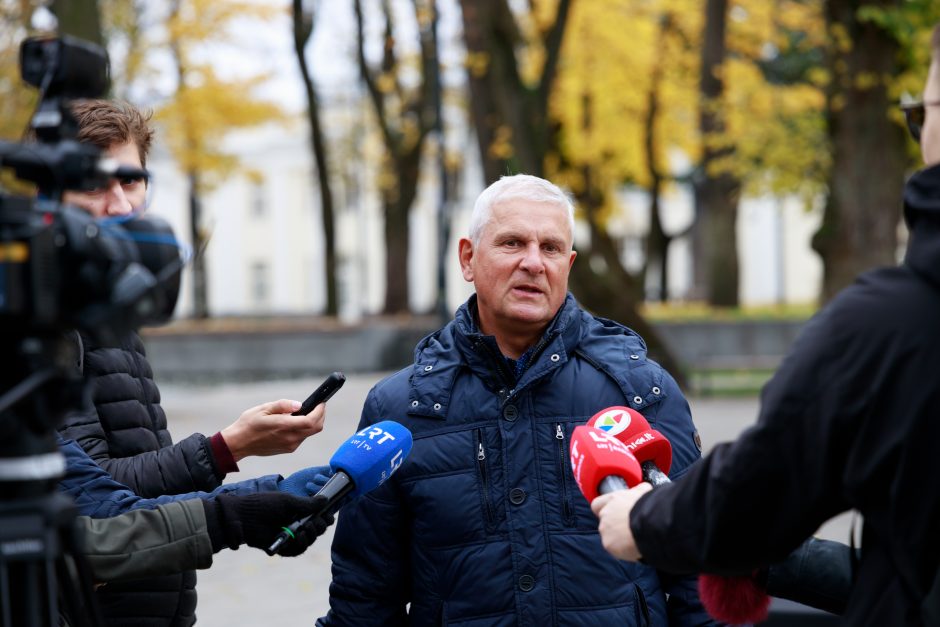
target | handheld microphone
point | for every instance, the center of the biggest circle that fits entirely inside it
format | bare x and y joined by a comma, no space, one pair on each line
734,600
649,446
361,463
601,463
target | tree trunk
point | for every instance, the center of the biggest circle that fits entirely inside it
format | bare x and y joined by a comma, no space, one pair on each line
859,228
303,29
510,117
610,291
397,234
200,276
79,18
657,242
717,192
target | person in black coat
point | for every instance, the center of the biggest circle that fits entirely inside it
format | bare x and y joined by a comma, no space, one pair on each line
125,430
851,420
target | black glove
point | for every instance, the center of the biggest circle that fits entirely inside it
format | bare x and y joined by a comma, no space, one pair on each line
257,519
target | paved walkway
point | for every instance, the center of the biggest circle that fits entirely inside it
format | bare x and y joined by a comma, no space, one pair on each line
246,587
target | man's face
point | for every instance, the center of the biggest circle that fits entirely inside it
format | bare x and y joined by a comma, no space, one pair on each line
520,265
930,133
119,196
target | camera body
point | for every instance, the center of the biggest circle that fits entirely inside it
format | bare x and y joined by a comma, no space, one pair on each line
60,268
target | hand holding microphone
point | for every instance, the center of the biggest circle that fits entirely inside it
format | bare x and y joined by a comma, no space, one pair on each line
603,465
363,462
731,599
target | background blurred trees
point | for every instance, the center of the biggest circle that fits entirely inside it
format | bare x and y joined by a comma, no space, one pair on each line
724,97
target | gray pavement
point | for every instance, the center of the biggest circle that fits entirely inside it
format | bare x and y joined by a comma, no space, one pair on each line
246,587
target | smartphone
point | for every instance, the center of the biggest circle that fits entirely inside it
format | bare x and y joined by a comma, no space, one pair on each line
322,394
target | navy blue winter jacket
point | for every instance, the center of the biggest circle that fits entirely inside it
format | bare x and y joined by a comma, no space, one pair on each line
97,495
483,524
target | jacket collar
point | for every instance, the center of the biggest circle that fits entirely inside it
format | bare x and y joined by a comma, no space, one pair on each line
922,214
442,355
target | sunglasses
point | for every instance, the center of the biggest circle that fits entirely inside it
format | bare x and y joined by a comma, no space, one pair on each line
914,114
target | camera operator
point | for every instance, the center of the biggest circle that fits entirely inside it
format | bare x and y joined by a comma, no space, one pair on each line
125,431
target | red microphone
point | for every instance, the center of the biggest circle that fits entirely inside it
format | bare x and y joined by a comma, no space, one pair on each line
735,600
649,446
601,464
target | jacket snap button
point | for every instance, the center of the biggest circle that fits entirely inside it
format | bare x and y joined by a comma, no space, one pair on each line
555,357
634,357
428,368
510,413
414,403
656,390
526,583
517,496
637,400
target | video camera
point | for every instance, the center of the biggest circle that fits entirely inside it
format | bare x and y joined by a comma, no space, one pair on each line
59,267
61,272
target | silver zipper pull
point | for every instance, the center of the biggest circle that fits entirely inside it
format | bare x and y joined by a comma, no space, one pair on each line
480,454
559,434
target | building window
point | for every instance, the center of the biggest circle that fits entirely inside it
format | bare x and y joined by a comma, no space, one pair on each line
259,206
259,283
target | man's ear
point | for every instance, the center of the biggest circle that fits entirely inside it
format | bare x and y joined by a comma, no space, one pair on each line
465,253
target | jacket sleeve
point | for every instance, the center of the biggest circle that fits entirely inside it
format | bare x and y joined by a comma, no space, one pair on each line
147,543
753,501
370,555
98,495
186,466
673,419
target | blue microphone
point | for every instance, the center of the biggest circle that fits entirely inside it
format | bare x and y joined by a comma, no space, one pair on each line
362,463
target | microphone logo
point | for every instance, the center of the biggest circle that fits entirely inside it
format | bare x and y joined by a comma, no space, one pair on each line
613,420
367,438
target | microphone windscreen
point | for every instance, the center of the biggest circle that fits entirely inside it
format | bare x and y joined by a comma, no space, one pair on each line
631,427
370,456
595,456
736,600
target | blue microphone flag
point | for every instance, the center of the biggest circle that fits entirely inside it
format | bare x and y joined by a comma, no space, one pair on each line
370,456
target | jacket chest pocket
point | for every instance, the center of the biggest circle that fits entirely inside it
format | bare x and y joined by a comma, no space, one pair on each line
484,479
560,435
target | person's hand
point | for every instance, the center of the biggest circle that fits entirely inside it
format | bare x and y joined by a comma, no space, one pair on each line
257,519
306,482
269,429
613,511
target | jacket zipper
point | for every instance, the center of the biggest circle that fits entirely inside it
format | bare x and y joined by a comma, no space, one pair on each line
484,480
563,472
643,609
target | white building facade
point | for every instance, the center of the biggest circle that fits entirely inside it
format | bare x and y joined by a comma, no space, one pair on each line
265,255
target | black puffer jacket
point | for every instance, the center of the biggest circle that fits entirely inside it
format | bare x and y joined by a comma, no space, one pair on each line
851,420
125,433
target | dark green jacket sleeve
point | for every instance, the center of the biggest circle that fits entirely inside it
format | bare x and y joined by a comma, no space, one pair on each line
144,543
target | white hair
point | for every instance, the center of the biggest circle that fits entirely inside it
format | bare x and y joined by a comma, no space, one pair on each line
517,187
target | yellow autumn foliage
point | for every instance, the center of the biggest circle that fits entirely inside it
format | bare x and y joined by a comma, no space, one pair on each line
206,106
617,51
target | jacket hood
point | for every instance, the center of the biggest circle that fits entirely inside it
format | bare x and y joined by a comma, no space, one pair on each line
922,214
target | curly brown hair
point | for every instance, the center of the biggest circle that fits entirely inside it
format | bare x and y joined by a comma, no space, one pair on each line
107,123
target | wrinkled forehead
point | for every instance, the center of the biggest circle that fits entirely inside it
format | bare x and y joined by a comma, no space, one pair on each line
528,216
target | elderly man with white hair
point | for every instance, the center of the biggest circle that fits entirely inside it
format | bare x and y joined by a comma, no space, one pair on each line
483,524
